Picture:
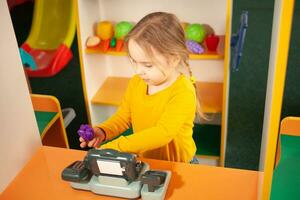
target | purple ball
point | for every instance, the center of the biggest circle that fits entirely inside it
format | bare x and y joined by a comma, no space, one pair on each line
194,47
86,132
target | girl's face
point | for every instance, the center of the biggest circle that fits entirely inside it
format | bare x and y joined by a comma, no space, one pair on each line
152,73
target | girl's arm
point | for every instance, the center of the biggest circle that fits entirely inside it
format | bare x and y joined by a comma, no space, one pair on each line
179,110
121,120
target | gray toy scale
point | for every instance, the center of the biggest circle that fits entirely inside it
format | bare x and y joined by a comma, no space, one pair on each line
113,173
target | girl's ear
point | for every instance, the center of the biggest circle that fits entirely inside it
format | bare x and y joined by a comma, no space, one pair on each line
174,60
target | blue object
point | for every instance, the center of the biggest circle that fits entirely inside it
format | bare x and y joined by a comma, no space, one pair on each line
27,59
237,41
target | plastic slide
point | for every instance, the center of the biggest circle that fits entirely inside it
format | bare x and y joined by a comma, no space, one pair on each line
51,35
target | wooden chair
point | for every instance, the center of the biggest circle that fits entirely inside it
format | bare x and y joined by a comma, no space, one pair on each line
50,120
288,126
286,176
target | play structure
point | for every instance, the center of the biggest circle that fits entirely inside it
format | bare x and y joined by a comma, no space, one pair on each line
47,48
43,166
113,173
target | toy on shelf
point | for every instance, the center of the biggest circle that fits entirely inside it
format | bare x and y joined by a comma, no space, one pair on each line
113,42
105,32
194,47
48,44
212,42
86,132
195,32
109,39
121,30
113,173
92,41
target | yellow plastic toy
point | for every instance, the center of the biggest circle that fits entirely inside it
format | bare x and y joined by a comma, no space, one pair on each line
105,31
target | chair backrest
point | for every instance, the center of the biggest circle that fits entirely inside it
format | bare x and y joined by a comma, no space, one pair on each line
290,126
45,103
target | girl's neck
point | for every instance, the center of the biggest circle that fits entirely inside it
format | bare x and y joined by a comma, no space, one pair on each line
152,89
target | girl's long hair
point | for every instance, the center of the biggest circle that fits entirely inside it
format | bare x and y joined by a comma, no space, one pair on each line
163,32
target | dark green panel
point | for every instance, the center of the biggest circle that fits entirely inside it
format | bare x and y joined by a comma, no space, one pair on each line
291,99
248,85
207,139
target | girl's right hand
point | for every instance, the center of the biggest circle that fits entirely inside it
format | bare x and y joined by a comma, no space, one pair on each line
99,137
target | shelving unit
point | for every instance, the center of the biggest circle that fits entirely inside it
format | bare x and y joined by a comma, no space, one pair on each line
218,54
105,75
112,90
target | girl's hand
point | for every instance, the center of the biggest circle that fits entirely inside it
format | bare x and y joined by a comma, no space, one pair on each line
99,137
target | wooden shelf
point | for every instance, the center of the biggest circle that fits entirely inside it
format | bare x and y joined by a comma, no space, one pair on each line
219,54
113,89
111,92
211,95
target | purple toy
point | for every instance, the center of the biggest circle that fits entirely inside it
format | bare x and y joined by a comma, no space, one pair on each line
194,47
86,132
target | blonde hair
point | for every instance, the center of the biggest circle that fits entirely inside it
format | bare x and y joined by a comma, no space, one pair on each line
163,32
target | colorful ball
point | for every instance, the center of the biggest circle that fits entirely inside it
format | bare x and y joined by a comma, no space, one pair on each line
122,29
194,47
195,32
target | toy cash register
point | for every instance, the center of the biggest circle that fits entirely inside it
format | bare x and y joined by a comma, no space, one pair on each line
113,173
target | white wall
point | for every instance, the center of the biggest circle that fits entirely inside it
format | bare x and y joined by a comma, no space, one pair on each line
19,133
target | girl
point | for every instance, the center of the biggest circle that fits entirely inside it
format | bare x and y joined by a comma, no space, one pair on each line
160,101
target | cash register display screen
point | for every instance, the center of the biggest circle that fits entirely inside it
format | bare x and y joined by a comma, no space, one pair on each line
110,167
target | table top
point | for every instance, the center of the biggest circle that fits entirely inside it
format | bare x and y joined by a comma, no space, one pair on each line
41,179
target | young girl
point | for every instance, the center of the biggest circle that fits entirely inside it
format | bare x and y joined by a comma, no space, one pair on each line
160,101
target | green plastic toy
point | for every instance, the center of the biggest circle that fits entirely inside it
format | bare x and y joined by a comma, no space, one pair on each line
113,42
195,32
122,29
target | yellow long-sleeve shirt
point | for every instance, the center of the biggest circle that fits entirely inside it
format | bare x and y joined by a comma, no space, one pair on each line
162,123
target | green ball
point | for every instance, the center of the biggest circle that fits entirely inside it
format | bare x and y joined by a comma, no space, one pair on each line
195,32
122,29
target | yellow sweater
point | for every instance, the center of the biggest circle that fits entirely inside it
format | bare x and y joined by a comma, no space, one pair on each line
162,123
